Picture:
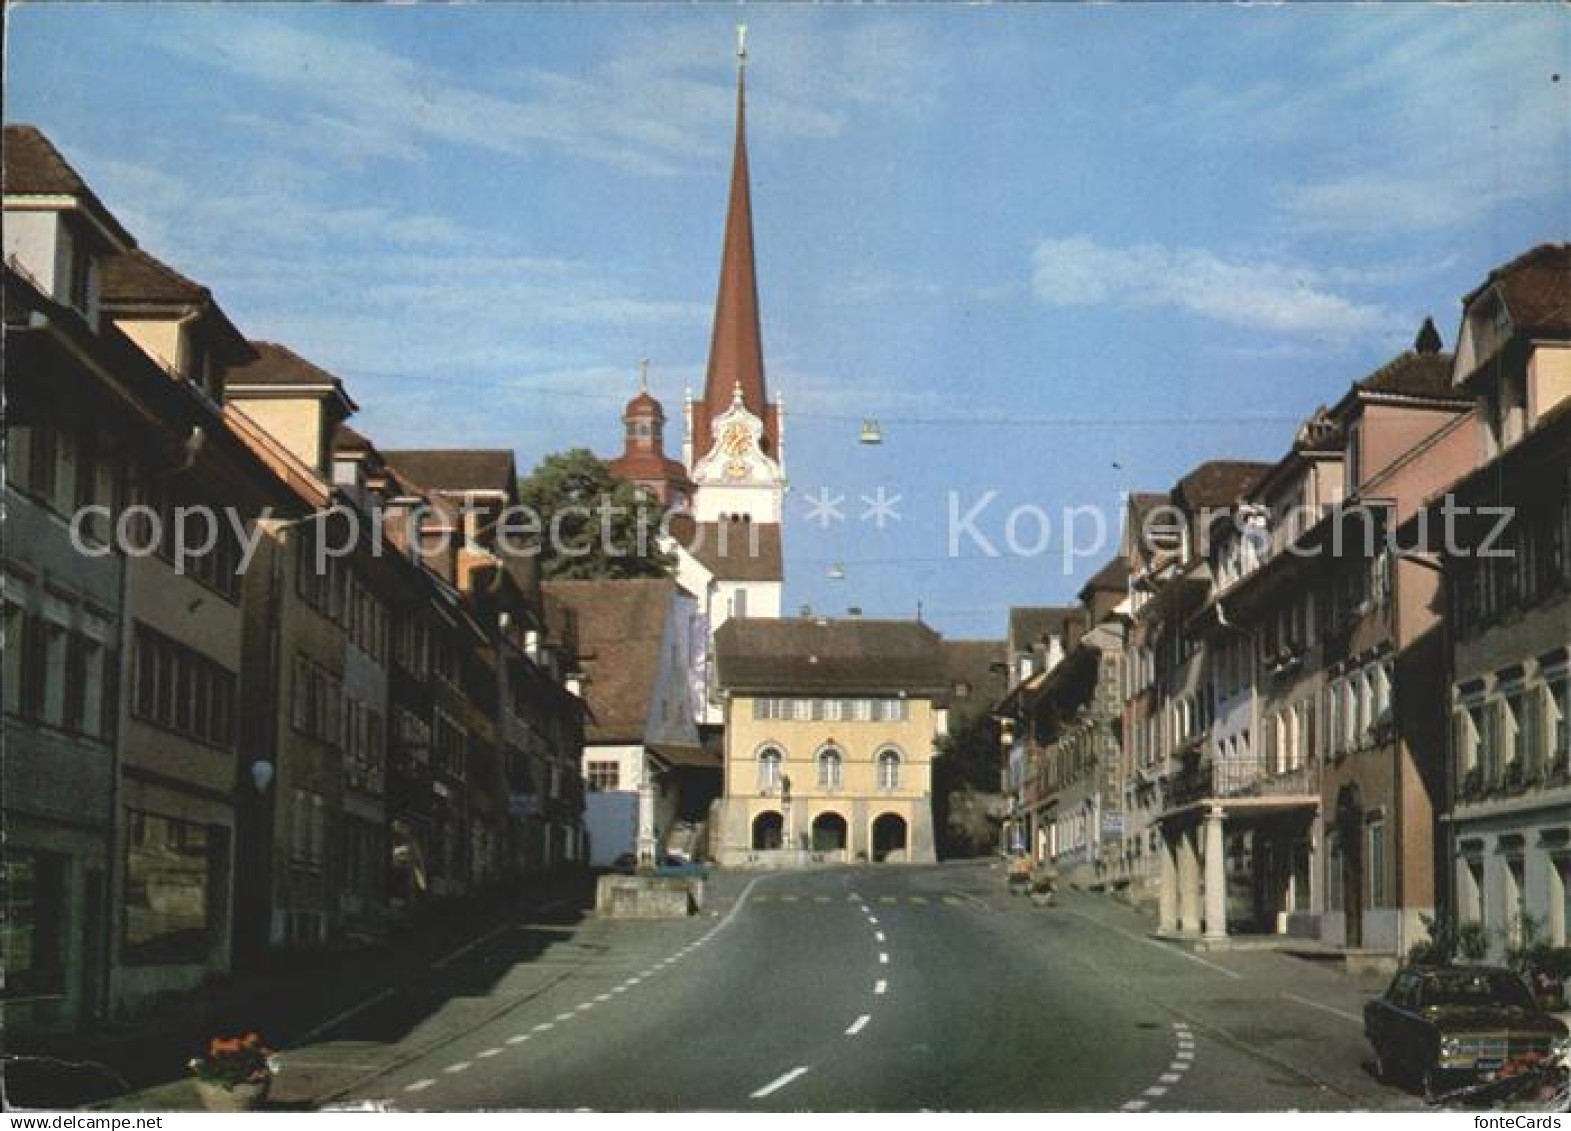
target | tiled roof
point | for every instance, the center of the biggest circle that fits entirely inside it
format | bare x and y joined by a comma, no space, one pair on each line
847,657
1412,374
619,626
973,685
1536,286
136,277
32,166
347,439
1112,577
733,551
1028,625
280,366
1217,483
457,469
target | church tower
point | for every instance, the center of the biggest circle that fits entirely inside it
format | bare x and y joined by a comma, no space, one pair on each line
728,551
733,449
643,461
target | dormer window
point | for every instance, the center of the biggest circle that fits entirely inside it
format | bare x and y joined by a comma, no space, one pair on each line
78,287
1352,459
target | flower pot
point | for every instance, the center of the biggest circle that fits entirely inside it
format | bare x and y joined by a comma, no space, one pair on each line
244,1096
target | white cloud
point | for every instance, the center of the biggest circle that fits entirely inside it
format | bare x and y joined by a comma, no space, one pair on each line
661,101
1255,294
1402,119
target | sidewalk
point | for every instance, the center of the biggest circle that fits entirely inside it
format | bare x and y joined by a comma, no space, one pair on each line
288,1005
525,962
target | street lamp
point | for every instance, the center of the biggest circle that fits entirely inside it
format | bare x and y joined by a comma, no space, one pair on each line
262,772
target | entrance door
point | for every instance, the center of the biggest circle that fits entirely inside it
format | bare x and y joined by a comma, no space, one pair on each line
889,837
767,830
829,833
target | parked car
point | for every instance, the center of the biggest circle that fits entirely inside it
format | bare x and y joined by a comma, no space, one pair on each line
1447,1027
670,864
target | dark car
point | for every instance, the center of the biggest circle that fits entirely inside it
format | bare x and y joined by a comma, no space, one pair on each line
675,864
1445,1027
625,864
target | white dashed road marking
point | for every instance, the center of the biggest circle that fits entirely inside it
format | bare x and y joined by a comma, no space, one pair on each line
879,935
487,1054
455,1069
880,986
418,1085
883,959
776,1084
858,1025
518,1038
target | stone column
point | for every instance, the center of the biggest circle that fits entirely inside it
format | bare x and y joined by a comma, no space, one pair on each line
1188,883
1167,888
1215,885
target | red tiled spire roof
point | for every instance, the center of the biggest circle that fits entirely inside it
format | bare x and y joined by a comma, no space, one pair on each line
736,350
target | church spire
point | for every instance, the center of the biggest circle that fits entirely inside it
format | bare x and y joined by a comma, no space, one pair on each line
736,349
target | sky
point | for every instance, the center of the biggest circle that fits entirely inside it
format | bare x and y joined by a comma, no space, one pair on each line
1059,253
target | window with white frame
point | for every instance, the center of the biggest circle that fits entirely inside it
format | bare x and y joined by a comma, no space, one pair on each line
1557,724
889,769
769,760
831,768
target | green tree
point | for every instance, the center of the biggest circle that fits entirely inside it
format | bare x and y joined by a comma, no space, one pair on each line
965,777
592,524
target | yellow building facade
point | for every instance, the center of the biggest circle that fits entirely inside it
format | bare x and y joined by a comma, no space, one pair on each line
830,729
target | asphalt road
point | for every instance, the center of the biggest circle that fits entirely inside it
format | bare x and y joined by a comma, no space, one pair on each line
889,988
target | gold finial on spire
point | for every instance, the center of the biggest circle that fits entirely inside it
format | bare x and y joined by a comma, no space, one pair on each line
741,44
643,375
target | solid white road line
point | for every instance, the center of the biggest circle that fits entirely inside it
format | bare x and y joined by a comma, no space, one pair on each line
1331,1009
858,1025
418,1085
1162,946
345,1015
470,945
880,986
775,1085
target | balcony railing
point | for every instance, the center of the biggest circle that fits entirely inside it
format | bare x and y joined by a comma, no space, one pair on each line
1236,777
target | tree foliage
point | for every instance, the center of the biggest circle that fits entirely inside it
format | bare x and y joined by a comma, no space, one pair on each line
592,524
